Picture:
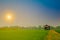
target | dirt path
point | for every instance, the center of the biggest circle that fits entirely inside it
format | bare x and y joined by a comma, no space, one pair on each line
52,35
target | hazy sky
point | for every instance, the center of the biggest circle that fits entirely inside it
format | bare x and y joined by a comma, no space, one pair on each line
31,12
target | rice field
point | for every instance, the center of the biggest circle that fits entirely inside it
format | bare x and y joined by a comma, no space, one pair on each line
57,30
28,34
22,34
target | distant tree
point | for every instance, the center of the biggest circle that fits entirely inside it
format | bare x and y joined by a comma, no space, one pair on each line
46,27
34,27
57,27
52,27
39,27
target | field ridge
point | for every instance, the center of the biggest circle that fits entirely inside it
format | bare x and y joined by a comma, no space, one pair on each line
53,35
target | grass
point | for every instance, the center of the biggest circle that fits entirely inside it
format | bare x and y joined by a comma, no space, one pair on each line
57,30
22,34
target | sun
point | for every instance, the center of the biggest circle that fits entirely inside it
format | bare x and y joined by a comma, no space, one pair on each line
9,16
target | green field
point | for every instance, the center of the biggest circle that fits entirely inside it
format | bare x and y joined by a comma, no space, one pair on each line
28,34
57,30
22,34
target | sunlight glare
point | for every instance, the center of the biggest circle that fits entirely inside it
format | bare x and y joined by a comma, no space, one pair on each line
9,16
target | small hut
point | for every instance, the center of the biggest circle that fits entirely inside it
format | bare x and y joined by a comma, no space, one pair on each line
47,27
